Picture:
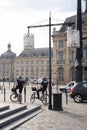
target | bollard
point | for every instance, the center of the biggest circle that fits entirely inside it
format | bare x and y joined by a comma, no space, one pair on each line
1,89
66,93
4,94
25,95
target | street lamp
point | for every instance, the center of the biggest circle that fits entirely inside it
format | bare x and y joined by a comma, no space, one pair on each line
50,87
50,83
79,53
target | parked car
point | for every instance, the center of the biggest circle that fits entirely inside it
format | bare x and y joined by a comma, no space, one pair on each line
79,92
67,87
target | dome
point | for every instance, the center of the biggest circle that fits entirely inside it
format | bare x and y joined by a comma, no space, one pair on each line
8,54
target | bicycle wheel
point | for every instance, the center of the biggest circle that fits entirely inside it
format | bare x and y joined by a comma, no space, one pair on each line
32,98
13,98
45,99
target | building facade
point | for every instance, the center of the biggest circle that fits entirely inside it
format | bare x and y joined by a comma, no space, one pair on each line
33,63
7,64
65,56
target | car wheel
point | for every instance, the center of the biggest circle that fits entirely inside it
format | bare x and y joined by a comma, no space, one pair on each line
78,98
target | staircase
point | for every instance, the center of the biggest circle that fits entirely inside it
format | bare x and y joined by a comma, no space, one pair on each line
12,117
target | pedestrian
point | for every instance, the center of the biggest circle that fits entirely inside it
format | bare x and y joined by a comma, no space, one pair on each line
43,87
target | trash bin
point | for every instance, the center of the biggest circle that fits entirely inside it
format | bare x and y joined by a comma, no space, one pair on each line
57,101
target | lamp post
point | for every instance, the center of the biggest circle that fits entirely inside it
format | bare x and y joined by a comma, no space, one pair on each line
50,83
79,53
50,87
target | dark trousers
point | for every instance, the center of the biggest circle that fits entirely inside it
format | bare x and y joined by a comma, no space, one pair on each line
18,87
41,89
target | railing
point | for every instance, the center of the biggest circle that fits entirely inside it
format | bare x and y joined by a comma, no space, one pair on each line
61,62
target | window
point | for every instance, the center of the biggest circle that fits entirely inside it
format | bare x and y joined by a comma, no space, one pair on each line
85,53
42,61
37,68
85,73
73,56
21,62
17,62
43,54
26,62
73,73
85,85
61,74
61,58
37,62
60,44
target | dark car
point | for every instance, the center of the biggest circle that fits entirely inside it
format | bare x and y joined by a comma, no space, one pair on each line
79,92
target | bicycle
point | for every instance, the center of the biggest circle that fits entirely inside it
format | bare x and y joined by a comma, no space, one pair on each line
15,97
44,97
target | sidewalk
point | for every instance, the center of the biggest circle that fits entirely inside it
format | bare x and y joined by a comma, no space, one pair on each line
73,117
68,119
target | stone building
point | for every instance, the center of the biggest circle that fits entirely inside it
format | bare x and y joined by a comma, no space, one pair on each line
7,64
64,56
34,62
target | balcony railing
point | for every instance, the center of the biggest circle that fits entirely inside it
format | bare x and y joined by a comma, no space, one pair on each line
61,62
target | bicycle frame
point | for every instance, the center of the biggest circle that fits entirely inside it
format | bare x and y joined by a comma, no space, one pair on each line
43,97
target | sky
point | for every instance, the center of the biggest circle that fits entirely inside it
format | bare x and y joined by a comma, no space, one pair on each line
16,15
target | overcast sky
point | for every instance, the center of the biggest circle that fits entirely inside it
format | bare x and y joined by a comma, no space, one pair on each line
16,15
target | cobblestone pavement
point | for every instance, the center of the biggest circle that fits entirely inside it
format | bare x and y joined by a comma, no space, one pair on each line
68,119
73,116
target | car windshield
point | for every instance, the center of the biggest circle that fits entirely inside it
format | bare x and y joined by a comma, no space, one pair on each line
70,84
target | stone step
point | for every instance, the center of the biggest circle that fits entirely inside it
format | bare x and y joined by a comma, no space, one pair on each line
3,107
17,116
18,123
11,111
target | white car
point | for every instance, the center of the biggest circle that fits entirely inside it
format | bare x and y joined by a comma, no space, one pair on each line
67,86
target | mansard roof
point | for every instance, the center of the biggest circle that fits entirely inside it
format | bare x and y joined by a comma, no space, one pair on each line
36,52
73,19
